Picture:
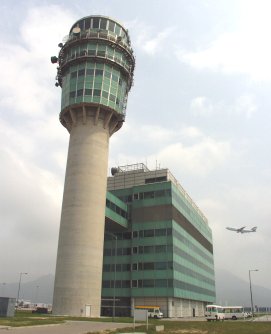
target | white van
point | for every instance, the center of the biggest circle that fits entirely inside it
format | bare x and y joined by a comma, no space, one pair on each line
214,312
153,311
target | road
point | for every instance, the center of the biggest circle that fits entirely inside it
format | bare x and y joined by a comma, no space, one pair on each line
69,327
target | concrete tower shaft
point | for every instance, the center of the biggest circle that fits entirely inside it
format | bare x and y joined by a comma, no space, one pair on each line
95,71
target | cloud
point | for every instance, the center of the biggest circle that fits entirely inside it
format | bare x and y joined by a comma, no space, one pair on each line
245,50
186,148
149,39
32,143
198,159
201,105
27,68
243,105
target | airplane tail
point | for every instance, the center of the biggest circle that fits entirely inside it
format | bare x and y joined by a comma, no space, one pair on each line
254,229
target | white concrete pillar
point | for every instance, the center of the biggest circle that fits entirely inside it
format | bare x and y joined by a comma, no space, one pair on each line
80,248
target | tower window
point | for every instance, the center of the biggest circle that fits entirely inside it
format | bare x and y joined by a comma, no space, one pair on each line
90,71
103,23
95,23
80,92
73,74
88,91
97,92
81,72
104,94
99,72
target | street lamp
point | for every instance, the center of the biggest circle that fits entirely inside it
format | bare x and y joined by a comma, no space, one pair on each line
251,298
115,271
37,293
3,289
19,286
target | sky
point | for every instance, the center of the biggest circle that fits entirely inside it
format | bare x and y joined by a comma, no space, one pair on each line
200,106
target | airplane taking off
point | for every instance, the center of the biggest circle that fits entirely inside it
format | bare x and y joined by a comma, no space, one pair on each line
242,229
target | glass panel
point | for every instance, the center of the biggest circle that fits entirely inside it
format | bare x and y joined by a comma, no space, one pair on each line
95,23
111,26
103,23
88,91
87,23
97,92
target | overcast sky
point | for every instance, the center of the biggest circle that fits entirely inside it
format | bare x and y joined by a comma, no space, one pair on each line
200,105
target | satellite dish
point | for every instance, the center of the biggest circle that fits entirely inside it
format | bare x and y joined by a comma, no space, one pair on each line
76,30
65,38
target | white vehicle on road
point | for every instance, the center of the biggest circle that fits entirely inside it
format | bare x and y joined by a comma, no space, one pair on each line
214,312
234,312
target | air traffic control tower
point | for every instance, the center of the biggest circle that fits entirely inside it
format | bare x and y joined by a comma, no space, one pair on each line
95,71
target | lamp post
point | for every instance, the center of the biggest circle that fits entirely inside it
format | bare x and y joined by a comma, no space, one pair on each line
3,289
251,298
115,272
19,286
37,293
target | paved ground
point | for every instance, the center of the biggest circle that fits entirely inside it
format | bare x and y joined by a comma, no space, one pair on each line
83,327
70,327
263,318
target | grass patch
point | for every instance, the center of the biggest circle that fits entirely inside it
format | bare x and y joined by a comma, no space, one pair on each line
204,327
26,318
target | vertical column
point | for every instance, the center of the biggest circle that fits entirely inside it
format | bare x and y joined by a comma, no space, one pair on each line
80,249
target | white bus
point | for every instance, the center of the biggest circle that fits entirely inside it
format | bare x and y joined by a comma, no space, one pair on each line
214,312
234,312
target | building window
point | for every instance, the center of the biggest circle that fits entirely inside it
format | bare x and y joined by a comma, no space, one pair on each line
160,232
148,249
161,283
134,283
126,267
160,249
148,266
149,233
125,284
135,250
148,283
134,266
126,251
161,265
127,236
135,234
149,194
106,284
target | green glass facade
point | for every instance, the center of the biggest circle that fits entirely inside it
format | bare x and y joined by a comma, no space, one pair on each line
96,65
165,251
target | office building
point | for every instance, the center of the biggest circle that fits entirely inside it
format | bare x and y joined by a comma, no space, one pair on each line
158,246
